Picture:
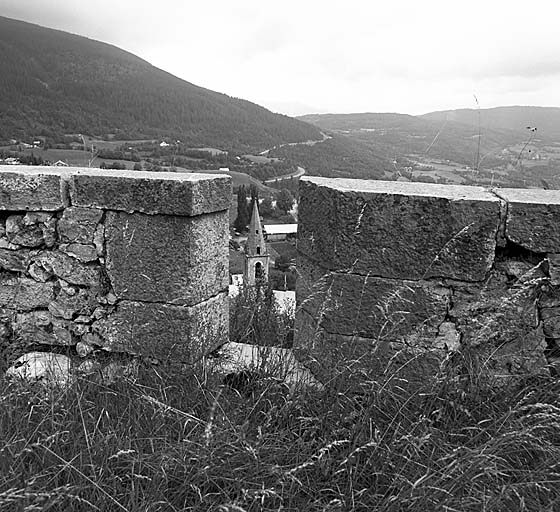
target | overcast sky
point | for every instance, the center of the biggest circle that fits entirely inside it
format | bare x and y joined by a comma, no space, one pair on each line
305,56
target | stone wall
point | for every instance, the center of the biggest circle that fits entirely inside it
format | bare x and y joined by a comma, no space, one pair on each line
94,261
408,278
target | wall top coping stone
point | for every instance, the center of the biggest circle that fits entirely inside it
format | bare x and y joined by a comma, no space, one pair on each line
451,192
529,195
52,188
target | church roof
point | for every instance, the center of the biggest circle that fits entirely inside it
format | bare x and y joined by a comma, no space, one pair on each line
255,238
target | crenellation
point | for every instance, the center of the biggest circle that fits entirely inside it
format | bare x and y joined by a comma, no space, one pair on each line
98,260
418,272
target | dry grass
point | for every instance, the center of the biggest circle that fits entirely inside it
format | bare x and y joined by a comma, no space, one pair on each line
176,442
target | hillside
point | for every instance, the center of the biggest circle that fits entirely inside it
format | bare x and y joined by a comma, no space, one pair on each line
338,157
400,135
517,118
54,83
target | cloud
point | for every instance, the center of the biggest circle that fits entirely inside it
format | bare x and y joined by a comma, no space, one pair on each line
357,55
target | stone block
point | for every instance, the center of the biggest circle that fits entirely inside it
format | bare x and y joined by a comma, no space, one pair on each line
30,188
24,294
82,252
398,230
171,259
14,261
78,225
371,307
182,194
520,357
46,367
69,269
554,268
533,218
66,306
551,322
355,360
33,229
168,333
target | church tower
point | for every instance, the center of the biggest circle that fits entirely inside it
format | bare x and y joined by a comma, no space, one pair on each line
256,255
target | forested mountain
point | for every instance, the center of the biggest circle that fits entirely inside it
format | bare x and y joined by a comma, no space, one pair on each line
399,135
517,118
53,83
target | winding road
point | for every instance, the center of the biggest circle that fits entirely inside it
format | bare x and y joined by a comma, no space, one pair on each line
300,170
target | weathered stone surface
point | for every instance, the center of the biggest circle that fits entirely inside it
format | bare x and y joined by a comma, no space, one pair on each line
52,369
549,299
31,230
38,318
14,261
447,337
30,188
69,269
501,335
164,332
533,218
69,306
398,230
311,278
350,304
83,349
170,259
78,225
554,268
183,194
521,356
356,359
5,333
24,294
19,234
551,322
4,244
82,252
99,240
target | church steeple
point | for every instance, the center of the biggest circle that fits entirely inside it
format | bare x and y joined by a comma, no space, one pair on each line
255,238
256,255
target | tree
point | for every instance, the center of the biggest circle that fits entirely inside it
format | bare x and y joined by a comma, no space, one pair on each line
266,208
254,193
284,200
137,166
243,214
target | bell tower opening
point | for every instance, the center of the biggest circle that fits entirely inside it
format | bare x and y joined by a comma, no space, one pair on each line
259,273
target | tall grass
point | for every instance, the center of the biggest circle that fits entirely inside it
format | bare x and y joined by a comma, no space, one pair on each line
179,441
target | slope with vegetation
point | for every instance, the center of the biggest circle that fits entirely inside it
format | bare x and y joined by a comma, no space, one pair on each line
514,118
54,83
401,135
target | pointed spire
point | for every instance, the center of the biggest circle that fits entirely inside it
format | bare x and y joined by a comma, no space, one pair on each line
256,245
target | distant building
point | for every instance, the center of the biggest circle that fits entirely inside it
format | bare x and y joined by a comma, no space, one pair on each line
257,258
60,163
275,232
163,144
